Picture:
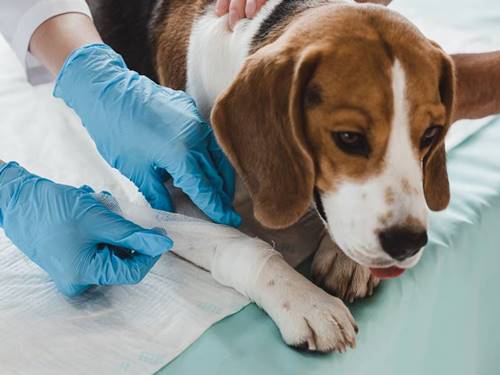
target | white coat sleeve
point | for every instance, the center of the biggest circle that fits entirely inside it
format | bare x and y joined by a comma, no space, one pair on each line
20,18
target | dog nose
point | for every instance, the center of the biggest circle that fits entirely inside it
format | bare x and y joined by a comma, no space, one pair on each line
401,243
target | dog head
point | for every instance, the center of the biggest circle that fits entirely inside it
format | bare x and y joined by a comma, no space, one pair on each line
351,102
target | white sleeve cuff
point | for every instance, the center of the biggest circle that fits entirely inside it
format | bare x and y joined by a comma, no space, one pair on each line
40,12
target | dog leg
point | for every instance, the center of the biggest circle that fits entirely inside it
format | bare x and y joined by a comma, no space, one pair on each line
306,316
338,274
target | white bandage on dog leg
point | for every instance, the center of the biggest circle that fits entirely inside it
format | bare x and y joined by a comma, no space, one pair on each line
239,262
234,259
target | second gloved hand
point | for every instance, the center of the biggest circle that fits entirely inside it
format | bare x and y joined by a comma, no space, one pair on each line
71,235
147,131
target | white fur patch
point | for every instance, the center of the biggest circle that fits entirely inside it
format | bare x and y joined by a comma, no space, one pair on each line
356,210
216,54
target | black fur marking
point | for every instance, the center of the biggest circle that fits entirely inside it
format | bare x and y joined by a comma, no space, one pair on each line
280,14
158,16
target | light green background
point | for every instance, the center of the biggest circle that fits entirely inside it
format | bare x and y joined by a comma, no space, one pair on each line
442,317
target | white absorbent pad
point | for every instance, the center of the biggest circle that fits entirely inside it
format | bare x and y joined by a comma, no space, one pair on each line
122,329
134,329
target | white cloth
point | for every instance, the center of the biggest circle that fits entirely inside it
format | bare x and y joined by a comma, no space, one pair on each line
20,18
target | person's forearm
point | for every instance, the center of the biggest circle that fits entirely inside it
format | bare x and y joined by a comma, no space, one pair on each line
57,37
478,85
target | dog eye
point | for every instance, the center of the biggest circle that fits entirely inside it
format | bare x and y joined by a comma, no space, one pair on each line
430,136
352,143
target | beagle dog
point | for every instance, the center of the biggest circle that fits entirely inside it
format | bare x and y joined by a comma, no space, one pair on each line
332,113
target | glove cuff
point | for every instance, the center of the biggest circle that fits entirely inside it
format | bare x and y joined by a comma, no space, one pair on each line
84,66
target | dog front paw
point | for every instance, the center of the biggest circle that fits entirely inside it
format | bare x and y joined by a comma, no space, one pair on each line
339,275
307,317
325,325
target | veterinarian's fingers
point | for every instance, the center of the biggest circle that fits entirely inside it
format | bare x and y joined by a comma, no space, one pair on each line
206,163
201,191
150,183
221,7
224,168
236,12
253,7
212,173
107,268
113,229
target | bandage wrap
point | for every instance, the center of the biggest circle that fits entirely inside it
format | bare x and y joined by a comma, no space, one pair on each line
239,264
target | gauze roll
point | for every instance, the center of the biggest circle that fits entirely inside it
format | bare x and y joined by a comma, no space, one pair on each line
239,262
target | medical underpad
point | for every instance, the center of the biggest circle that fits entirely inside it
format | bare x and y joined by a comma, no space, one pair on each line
135,329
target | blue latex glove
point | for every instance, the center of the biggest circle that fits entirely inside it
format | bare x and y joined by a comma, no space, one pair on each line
71,235
147,131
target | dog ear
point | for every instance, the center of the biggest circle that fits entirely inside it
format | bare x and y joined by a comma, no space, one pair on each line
436,184
259,123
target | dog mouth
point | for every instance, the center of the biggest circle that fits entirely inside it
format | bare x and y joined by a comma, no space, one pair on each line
388,272
384,269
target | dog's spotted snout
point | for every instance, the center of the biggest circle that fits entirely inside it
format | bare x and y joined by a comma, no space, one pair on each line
402,243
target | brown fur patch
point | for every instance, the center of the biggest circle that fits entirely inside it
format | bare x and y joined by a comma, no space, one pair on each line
389,196
384,219
406,187
413,222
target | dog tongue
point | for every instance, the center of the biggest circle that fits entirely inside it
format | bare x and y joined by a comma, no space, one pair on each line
387,273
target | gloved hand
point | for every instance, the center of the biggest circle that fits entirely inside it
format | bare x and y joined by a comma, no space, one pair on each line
146,131
69,234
